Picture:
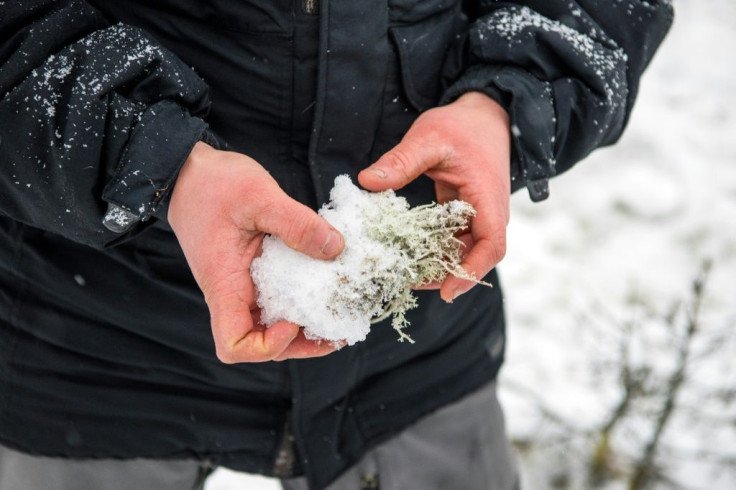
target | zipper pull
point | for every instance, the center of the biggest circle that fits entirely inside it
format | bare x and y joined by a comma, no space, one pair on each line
310,7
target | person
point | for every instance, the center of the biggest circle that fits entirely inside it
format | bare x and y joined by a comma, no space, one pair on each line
147,147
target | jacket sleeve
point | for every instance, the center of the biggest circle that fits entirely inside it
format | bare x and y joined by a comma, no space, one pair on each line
566,70
95,120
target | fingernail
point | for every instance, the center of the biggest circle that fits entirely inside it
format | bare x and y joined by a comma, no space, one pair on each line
457,292
332,244
378,172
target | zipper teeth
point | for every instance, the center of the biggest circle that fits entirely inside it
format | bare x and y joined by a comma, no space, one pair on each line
310,6
283,466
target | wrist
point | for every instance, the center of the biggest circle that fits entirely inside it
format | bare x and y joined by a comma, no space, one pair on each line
200,153
480,101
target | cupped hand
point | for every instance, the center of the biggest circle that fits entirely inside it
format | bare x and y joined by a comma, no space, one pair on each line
464,147
221,207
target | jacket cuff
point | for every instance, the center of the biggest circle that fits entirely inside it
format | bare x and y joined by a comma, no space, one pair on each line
530,105
158,147
162,208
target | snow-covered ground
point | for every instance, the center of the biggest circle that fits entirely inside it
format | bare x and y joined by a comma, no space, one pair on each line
603,260
595,271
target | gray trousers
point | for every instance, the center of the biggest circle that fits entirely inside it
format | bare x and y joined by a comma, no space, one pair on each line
461,446
19,471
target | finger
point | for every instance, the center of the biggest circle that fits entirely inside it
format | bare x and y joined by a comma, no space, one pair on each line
230,296
429,286
445,193
255,345
301,228
481,258
265,345
303,348
408,160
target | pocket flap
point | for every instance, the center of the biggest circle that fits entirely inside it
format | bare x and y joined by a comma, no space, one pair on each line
422,49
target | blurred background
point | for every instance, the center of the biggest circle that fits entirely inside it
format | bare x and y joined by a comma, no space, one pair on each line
621,290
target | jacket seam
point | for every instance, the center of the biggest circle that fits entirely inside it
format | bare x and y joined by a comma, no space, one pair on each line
321,97
384,97
6,374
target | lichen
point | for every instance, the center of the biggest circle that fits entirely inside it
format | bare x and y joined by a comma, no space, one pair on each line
425,237
390,248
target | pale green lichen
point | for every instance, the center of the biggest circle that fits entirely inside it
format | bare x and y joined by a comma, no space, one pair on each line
389,249
424,238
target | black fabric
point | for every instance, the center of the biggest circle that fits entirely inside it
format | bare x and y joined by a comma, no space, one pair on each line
568,72
105,349
80,101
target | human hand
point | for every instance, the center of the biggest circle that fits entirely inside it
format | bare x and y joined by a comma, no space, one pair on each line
465,147
221,207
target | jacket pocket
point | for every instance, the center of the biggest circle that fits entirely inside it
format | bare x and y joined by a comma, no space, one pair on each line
423,48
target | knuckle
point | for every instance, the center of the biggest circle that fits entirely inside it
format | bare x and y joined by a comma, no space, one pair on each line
253,352
400,161
226,355
262,214
498,246
299,230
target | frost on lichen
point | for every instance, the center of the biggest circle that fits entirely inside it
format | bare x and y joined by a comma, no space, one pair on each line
424,237
389,248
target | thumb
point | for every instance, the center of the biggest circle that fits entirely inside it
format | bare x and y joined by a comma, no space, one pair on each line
301,229
402,164
236,339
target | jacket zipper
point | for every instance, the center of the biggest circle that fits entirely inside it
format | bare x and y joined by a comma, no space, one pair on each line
310,6
283,466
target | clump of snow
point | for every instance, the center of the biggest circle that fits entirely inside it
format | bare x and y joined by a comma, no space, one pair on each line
295,287
388,248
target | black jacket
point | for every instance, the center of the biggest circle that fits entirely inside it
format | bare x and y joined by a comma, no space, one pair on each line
105,349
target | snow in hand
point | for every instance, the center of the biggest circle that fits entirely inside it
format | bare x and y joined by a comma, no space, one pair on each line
389,247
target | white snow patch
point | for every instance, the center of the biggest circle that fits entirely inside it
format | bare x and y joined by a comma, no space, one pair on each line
297,288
